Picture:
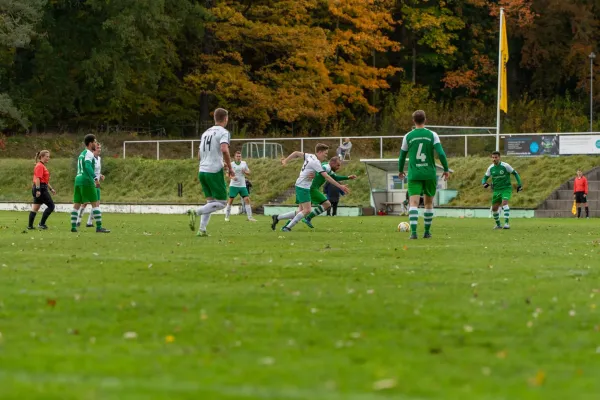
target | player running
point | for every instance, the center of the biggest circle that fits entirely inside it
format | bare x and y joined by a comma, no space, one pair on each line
502,188
86,185
316,194
237,185
99,178
213,155
419,144
312,167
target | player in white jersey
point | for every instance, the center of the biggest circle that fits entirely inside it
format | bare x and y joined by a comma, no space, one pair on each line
237,186
213,154
310,168
98,177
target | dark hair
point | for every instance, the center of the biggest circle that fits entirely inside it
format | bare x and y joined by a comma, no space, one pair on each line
335,159
238,152
220,115
89,138
496,153
419,117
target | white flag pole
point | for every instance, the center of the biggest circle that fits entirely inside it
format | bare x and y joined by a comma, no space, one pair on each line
499,80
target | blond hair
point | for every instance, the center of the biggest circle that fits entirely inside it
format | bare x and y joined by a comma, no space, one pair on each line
321,147
41,154
220,115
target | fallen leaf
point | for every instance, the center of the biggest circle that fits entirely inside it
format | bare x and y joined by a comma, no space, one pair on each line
130,335
51,302
385,384
169,339
538,379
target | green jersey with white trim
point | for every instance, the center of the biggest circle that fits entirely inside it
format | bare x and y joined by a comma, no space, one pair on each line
419,144
500,175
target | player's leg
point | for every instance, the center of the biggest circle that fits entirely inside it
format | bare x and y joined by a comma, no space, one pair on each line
496,202
80,214
334,206
247,205
47,199
587,209
506,195
304,207
218,189
414,192
322,204
429,190
232,196
35,207
77,201
90,220
578,203
91,196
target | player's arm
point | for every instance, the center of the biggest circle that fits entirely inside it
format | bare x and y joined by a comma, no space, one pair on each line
227,159
329,179
484,181
585,186
294,155
518,178
247,170
437,145
402,158
340,178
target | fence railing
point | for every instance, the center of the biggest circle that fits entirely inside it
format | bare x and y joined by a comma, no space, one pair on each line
375,144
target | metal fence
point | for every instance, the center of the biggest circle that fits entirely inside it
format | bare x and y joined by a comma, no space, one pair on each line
455,145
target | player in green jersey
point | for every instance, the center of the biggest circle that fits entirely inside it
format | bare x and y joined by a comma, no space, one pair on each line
86,185
318,199
500,173
419,144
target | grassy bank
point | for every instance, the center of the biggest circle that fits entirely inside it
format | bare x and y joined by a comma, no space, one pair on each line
148,181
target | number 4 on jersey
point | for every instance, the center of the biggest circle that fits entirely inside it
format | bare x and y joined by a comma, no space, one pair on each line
421,156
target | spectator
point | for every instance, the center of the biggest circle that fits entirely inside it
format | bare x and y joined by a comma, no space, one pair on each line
344,149
333,195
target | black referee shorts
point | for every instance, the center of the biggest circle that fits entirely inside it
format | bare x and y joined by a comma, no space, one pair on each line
580,197
44,198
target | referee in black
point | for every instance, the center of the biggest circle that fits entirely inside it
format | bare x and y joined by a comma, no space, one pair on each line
41,190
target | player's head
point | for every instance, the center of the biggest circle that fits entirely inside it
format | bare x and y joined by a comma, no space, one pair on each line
496,157
335,163
238,156
419,118
321,151
90,141
42,156
579,173
221,117
98,149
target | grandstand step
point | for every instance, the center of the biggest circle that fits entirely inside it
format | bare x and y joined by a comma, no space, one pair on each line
568,195
563,214
592,185
566,205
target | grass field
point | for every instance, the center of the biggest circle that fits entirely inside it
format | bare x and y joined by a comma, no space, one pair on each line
353,310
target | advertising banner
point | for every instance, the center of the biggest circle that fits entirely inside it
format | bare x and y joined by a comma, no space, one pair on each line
537,145
580,144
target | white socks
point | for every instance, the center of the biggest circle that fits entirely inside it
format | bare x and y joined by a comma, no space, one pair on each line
294,221
227,211
210,208
287,215
248,210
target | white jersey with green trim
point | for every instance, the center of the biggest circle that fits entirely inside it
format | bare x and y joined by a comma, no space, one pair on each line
98,169
240,178
311,168
211,156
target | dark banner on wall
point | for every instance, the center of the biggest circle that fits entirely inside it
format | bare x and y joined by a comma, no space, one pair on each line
531,145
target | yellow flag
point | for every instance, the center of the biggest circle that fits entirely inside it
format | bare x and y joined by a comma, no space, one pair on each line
574,209
502,66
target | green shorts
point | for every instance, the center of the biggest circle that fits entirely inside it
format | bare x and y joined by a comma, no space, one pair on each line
302,195
213,185
317,197
234,191
85,194
98,190
426,187
500,195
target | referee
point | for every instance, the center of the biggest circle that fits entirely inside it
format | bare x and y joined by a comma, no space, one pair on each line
40,190
580,191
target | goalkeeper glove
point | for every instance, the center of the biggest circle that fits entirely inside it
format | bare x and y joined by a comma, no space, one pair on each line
519,188
486,185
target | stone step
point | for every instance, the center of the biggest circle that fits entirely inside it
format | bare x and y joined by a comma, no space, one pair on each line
592,185
563,214
568,195
567,205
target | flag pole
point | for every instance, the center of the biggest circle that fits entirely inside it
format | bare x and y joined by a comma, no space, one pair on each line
499,80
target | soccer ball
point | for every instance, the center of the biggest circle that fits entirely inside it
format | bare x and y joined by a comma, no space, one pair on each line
403,227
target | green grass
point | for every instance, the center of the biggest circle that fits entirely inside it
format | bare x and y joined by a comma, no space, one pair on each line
331,314
137,180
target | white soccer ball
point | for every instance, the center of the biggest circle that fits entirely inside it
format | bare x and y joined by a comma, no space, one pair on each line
403,227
